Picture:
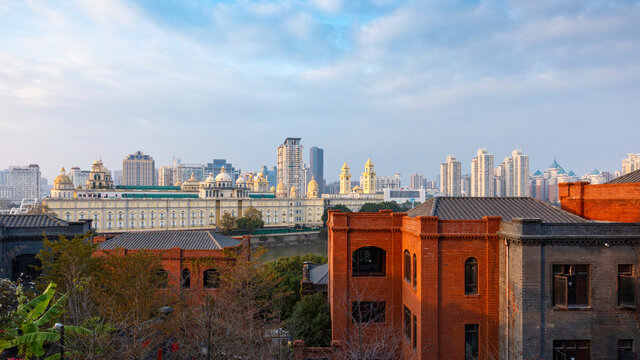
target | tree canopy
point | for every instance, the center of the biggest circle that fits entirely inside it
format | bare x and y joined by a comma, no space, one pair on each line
251,220
310,321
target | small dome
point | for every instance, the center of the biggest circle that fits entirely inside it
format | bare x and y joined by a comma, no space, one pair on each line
280,187
223,176
272,189
313,185
62,181
260,175
294,192
178,183
192,179
209,179
240,180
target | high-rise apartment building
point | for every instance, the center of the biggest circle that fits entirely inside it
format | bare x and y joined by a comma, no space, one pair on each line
165,176
290,165
631,163
182,172
482,174
387,182
512,176
4,174
23,182
316,161
216,166
416,182
450,177
79,177
139,169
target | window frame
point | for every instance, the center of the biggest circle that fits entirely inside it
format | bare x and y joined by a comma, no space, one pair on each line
210,284
415,271
356,270
471,288
564,278
560,348
407,266
626,275
375,312
407,323
472,330
185,279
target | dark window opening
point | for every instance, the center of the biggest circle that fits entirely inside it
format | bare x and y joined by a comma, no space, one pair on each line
625,350
570,285
471,341
471,276
211,279
415,332
626,286
407,323
571,349
407,266
163,278
415,271
368,311
186,278
369,261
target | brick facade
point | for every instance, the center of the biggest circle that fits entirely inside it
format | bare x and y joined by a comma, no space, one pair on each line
605,202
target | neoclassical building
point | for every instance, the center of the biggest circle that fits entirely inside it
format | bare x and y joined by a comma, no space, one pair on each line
191,204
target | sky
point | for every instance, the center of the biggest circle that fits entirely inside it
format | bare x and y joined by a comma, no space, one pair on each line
404,83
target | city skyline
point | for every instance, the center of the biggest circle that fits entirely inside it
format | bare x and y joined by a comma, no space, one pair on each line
230,80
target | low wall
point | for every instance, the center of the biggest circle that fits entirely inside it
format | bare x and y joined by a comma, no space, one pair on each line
272,240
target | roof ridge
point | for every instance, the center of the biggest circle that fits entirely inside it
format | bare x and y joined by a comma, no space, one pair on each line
434,204
214,239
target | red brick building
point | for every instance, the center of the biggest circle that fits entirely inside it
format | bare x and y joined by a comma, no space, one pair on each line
188,257
617,200
479,278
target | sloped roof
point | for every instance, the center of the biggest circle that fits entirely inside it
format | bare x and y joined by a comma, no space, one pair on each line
31,221
508,208
632,177
319,274
538,173
595,172
555,165
571,173
168,239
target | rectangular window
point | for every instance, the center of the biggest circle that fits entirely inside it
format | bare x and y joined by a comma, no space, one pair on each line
571,349
415,271
570,286
368,311
626,286
407,323
415,332
625,350
471,341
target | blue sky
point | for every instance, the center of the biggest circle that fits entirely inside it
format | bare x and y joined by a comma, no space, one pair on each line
402,82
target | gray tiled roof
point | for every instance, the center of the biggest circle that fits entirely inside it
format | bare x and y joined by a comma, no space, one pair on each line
30,221
319,274
632,177
168,239
475,208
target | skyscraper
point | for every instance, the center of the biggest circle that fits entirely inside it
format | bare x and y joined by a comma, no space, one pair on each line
316,161
450,176
482,174
139,169
520,173
165,176
417,181
79,177
631,163
290,165
24,182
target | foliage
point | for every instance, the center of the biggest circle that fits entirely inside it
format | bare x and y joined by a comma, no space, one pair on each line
237,320
288,271
325,215
9,292
251,220
310,321
385,205
228,222
28,331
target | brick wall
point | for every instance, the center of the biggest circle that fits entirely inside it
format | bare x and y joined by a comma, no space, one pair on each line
605,202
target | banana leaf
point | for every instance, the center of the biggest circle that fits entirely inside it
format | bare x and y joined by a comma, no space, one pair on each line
52,312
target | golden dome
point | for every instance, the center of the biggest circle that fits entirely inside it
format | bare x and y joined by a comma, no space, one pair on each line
62,181
281,192
192,179
209,179
240,180
313,185
178,183
293,192
272,189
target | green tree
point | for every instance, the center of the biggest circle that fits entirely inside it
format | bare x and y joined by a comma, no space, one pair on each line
288,271
28,331
385,205
251,220
228,222
310,321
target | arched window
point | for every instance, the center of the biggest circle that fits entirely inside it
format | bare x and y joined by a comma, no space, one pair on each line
407,266
471,276
162,278
369,261
210,279
186,278
415,271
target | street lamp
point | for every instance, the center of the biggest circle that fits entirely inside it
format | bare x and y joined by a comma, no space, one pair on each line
60,327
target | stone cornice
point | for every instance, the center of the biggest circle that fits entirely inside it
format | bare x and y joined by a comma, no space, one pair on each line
358,229
572,240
